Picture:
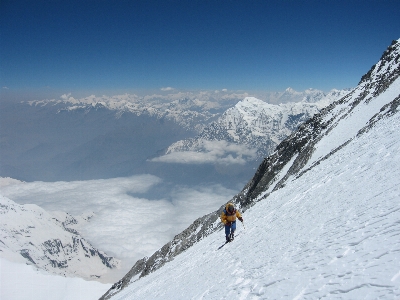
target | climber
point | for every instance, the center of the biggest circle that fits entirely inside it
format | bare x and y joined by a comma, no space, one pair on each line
228,217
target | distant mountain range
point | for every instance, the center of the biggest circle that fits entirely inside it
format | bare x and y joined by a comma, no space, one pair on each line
191,110
107,137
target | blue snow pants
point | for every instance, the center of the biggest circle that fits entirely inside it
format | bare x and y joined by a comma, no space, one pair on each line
229,229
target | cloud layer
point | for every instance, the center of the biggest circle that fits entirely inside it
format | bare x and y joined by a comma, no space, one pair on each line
166,89
125,223
211,152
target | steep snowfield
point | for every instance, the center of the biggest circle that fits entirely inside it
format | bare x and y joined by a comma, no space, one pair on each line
21,282
333,232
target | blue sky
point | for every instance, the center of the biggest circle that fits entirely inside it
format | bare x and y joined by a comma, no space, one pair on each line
119,46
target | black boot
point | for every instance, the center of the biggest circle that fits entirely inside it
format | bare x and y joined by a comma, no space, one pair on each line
227,239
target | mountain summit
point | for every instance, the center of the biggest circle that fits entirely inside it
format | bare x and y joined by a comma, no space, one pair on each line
255,124
321,212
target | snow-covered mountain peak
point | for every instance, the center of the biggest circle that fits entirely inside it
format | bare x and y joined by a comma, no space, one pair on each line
290,90
47,241
250,101
248,106
251,105
256,124
310,95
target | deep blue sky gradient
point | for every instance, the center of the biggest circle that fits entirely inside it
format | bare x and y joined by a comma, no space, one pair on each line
88,46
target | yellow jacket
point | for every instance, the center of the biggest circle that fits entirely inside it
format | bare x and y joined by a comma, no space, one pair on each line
228,217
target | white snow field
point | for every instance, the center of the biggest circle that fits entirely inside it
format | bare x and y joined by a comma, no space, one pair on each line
22,282
333,233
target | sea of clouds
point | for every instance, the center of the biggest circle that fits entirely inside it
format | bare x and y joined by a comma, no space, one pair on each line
125,223
211,152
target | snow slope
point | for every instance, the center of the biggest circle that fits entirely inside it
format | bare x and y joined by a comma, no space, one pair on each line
21,282
329,227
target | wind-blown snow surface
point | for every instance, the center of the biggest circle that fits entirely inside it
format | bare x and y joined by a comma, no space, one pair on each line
21,282
333,232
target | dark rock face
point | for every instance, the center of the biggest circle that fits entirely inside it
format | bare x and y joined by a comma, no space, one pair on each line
298,148
25,253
